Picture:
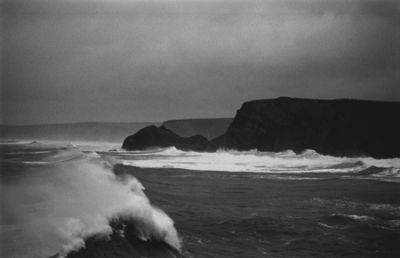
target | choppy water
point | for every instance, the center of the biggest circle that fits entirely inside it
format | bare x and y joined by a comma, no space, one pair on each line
305,205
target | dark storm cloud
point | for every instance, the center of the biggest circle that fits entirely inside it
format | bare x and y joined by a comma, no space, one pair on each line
154,60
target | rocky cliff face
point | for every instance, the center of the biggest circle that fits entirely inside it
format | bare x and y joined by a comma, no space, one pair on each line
209,128
153,136
336,127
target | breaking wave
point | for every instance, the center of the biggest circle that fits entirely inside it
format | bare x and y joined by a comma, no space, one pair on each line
51,205
253,161
354,217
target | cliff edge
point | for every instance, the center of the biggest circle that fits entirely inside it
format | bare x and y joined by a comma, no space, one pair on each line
342,127
207,127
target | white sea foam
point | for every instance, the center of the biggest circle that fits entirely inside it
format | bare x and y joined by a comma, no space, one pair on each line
13,142
389,172
360,218
52,209
327,226
254,161
85,145
36,162
28,152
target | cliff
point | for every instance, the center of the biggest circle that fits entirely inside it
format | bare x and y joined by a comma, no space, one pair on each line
153,136
208,127
336,127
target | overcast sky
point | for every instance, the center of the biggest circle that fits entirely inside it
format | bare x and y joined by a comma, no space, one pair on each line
138,60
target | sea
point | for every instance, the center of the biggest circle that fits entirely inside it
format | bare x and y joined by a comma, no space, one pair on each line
61,199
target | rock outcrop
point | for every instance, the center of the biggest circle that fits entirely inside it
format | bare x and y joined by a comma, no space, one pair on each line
153,137
336,127
207,127
124,242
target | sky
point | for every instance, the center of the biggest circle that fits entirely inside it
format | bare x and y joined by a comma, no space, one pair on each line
153,60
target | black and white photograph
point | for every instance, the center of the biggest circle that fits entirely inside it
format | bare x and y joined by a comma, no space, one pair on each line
199,128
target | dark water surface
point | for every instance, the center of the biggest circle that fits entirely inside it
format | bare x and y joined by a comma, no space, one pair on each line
224,214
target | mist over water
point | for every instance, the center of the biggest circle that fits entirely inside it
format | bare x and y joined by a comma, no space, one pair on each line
54,198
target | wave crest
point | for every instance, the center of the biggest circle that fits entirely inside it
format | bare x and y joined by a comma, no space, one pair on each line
73,198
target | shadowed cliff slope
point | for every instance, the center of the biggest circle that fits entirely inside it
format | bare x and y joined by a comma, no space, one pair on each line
337,127
207,127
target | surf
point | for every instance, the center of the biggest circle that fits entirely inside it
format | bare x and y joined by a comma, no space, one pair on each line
53,204
255,161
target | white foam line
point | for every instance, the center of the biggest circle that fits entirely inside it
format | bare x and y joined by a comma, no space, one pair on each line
259,162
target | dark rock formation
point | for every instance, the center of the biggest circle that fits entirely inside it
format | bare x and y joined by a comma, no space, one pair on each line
336,127
123,243
208,127
153,136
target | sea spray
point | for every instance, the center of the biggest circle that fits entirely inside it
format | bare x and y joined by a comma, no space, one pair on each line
52,207
288,161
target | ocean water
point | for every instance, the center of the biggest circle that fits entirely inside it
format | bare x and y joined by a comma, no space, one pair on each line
63,199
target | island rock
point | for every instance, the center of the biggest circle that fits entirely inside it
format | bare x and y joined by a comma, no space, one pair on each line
155,137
